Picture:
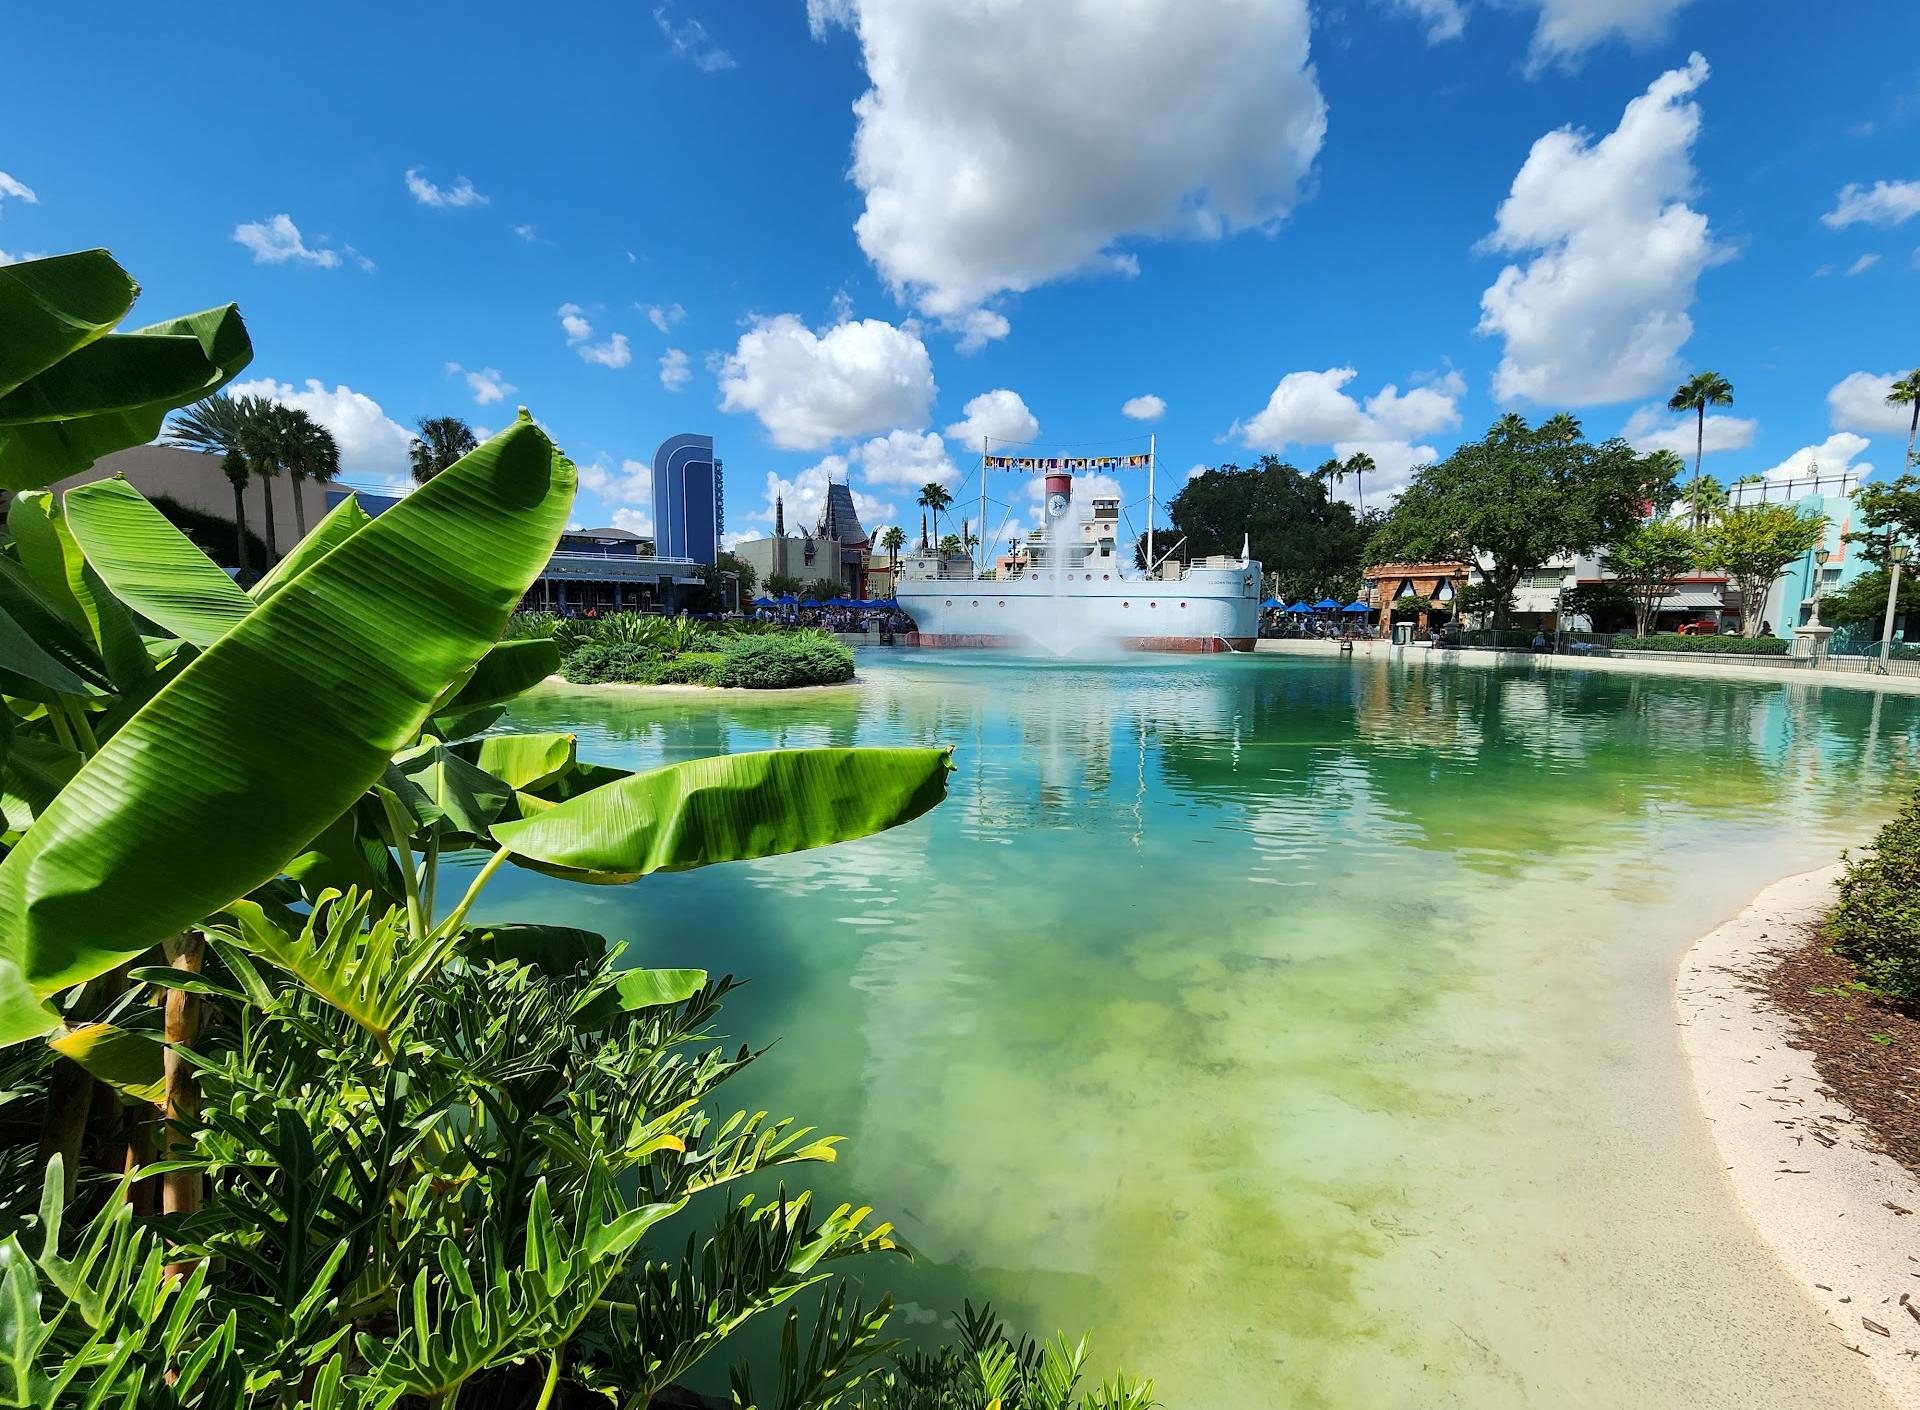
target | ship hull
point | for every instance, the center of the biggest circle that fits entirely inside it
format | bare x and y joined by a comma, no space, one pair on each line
1209,609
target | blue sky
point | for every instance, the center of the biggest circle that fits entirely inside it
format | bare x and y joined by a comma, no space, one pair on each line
847,237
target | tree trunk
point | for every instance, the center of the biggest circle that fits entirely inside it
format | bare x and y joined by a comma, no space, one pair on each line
240,526
69,1102
1913,428
266,494
1699,449
180,1191
299,507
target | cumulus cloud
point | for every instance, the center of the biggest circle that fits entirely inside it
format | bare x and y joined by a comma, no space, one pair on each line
1858,402
634,521
1652,428
277,240
1862,265
977,327
1568,28
1444,19
1000,147
461,193
806,492
999,415
674,371
662,316
11,186
1147,408
1883,203
1600,312
487,384
1313,409
1836,453
689,40
614,352
626,488
909,458
811,388
372,444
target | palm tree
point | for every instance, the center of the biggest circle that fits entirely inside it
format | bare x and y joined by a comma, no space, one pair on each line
442,440
234,466
1696,394
236,429
892,541
1510,427
1562,428
1906,392
934,496
306,450
1358,465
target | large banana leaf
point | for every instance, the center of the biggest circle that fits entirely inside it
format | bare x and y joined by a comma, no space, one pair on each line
522,760
42,624
504,672
247,754
60,571
115,392
342,522
50,307
150,565
728,808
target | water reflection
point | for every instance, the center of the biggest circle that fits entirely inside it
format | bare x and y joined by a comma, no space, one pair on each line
1250,1011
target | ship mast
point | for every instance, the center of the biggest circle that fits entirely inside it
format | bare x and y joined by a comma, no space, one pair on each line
981,567
1151,446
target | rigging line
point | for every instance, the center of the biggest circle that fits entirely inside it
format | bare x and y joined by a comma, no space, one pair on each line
1000,445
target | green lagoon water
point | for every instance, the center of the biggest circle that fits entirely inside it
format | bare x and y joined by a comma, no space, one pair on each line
1301,1027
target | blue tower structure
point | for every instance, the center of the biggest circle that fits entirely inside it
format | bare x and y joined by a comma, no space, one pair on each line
686,498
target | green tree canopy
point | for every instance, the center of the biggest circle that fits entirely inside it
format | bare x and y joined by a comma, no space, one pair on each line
1889,508
1752,546
1864,600
1301,534
1519,497
1646,560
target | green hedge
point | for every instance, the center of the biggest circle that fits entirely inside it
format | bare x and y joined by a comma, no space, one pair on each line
775,662
1876,922
632,663
1704,645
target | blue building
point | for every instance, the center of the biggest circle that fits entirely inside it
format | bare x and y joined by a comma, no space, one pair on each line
688,518
1829,495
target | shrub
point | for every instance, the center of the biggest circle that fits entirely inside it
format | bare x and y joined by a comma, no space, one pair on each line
599,662
775,662
1875,924
689,668
1704,645
522,626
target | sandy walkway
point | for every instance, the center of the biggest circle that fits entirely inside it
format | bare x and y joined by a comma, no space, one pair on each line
1835,1213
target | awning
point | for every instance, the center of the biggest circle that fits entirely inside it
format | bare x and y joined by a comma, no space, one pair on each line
1696,599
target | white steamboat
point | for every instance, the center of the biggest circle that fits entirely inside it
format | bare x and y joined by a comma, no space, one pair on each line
1073,588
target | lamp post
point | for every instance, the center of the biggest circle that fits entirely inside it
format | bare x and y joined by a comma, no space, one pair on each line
1820,557
1896,556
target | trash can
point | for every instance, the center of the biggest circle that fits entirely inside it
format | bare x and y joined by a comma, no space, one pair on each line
1403,633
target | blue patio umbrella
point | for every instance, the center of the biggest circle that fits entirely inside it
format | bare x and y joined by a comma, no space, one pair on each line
765,602
788,600
1301,608
840,602
1326,604
885,604
1271,602
1356,607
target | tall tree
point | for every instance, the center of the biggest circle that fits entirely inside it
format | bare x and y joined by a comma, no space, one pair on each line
1646,560
1696,394
228,426
1308,540
1518,498
1752,545
936,497
304,449
442,441
1358,465
234,466
1906,392
892,541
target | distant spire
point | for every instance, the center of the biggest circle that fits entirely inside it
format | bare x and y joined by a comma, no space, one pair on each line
779,517
923,531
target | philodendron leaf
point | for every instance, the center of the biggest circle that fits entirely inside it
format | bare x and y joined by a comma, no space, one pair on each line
115,392
51,307
150,565
277,728
728,808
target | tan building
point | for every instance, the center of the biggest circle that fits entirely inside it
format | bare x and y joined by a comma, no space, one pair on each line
837,549
1428,588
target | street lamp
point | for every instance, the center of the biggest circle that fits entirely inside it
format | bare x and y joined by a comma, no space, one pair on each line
1896,555
1820,557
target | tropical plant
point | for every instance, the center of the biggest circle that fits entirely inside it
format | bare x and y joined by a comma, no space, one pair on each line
1304,536
933,497
1647,560
306,450
893,540
240,431
1752,545
1696,394
950,546
1358,465
778,662
234,466
1906,392
784,585
1875,920
441,442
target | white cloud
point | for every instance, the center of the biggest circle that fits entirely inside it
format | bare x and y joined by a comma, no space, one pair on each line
1445,19
1884,203
909,458
810,388
278,240
1600,312
22,257
630,483
372,444
528,233
17,189
806,492
1002,146
1858,402
487,384
663,316
1311,408
1651,428
1147,408
461,193
690,41
1194,472
1000,415
1568,28
614,352
1834,454
977,327
1862,265
634,521
674,371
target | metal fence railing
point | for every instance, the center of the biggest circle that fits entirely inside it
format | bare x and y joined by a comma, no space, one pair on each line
1847,653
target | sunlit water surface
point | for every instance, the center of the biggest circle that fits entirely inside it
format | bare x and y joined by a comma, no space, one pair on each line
1301,1028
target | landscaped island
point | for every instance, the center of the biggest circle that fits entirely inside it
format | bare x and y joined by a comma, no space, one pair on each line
629,648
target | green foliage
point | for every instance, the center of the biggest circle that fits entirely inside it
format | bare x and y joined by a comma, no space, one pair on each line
636,663
1646,559
1297,529
1875,921
776,662
988,1367
1752,545
1519,497
1704,645
1864,600
784,585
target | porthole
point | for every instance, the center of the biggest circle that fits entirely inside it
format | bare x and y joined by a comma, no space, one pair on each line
1001,603
1126,604
949,602
1183,607
976,602
1153,604
1106,577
